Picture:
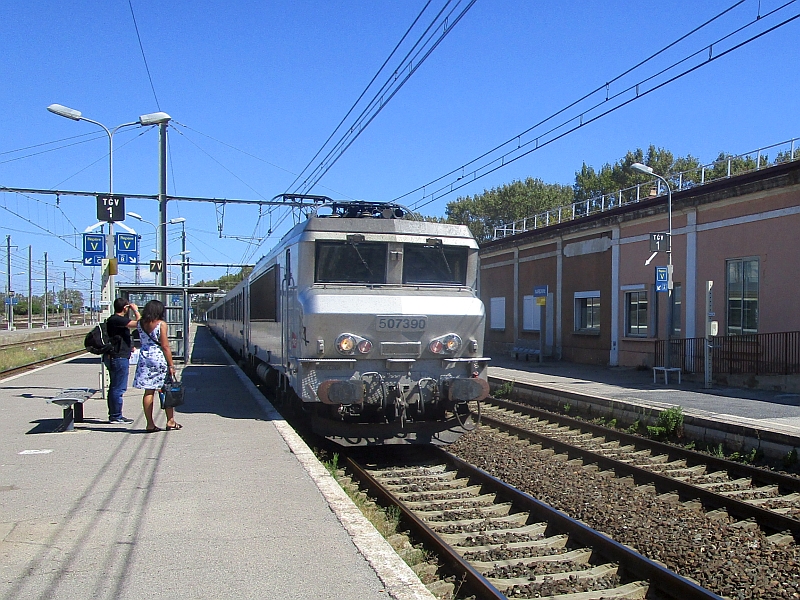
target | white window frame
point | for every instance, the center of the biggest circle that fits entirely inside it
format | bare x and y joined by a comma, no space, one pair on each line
647,324
497,313
742,307
580,303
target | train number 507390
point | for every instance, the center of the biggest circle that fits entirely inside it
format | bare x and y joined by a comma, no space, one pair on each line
401,323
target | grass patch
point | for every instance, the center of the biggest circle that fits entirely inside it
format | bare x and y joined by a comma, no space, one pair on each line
18,356
668,424
505,390
385,520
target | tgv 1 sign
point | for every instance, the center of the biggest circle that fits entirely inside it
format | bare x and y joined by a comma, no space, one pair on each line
110,208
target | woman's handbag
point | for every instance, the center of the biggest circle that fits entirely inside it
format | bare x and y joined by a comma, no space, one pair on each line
171,393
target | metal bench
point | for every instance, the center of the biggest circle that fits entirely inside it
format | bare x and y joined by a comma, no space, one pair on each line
525,348
666,372
71,400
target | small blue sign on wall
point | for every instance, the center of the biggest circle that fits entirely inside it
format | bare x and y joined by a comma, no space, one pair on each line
662,279
127,248
94,249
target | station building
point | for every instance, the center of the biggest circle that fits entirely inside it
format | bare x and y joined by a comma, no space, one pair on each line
587,265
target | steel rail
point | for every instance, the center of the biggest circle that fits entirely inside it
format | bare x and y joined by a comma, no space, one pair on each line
7,342
39,363
668,583
766,518
455,563
784,482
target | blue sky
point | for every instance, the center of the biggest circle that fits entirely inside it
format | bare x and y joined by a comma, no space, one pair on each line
272,79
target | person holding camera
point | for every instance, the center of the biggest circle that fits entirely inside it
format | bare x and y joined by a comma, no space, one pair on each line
117,361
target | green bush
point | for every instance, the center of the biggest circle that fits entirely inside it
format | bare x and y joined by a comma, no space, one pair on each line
505,390
671,420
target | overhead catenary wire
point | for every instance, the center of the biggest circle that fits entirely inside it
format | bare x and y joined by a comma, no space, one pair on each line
459,177
144,58
91,139
104,157
352,108
409,65
587,95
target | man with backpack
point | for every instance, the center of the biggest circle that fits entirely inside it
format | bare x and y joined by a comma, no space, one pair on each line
117,360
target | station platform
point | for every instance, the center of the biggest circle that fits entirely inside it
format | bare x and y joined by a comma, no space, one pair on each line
733,416
234,505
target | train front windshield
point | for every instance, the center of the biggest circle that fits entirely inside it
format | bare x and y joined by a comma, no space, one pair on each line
434,264
350,262
365,262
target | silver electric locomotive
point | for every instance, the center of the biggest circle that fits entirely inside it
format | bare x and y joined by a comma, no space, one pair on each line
370,320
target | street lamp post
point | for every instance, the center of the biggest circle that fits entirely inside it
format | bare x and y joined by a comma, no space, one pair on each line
162,238
155,227
184,251
158,118
184,256
640,168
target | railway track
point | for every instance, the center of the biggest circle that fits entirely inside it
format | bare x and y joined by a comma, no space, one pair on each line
502,543
9,342
725,488
40,363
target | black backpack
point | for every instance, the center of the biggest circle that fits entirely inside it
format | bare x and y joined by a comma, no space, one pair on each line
97,341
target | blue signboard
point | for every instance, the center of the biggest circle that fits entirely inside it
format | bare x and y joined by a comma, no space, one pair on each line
126,247
662,279
94,249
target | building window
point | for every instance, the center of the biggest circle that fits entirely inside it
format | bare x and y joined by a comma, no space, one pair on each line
636,314
742,296
497,314
587,311
531,314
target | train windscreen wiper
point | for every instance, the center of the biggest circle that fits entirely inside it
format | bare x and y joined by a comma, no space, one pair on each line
437,243
353,240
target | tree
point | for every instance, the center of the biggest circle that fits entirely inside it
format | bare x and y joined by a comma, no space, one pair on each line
73,297
505,204
226,282
619,176
738,164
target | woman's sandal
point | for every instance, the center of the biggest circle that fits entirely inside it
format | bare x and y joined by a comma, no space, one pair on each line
174,427
153,430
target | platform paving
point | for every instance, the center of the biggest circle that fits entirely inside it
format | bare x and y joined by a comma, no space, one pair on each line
763,409
234,505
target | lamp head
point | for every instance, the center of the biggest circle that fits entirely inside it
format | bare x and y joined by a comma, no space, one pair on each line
135,215
63,111
154,118
640,168
177,220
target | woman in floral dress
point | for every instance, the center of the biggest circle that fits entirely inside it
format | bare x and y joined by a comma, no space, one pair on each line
155,361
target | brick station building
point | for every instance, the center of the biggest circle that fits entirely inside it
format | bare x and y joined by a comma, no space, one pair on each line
742,233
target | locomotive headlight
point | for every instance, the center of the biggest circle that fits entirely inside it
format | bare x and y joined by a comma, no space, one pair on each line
446,344
347,343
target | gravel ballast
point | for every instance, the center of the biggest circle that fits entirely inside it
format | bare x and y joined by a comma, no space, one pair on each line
729,559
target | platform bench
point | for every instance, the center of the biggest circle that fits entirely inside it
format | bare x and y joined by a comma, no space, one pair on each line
71,400
524,348
666,371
